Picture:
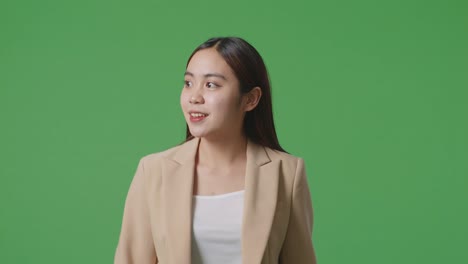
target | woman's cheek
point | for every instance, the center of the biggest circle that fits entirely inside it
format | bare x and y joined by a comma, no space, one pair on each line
184,100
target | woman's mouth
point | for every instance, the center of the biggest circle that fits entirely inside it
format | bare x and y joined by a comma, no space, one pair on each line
197,116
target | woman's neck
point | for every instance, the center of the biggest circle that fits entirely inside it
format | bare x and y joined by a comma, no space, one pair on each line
222,153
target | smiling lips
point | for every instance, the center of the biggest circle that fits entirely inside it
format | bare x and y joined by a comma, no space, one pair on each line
197,116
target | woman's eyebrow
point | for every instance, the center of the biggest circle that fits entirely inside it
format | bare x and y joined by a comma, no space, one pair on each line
208,75
215,75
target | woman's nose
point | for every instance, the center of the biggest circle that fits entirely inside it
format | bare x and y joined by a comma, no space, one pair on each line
197,97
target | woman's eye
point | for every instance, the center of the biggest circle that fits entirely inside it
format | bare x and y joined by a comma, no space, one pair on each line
187,83
211,85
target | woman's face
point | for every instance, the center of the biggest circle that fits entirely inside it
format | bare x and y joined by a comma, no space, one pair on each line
211,99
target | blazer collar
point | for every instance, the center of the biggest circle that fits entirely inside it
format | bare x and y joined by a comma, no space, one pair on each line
187,151
261,188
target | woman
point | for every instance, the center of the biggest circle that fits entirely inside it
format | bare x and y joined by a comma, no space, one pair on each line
229,193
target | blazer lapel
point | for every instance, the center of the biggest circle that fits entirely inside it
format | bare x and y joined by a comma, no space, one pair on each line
177,181
261,189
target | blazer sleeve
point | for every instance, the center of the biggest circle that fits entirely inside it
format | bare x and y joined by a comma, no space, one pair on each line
297,246
135,245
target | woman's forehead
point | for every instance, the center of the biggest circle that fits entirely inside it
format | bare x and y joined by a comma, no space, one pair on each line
207,63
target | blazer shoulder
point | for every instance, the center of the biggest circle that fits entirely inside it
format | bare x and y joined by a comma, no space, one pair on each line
283,156
156,157
290,162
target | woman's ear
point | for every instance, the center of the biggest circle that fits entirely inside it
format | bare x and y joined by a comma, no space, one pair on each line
252,98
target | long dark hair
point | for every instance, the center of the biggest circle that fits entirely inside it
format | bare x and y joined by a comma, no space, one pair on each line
250,70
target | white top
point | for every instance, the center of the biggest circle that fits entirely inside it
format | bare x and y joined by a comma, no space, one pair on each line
217,224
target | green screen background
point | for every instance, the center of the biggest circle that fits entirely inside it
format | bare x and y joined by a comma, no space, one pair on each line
372,94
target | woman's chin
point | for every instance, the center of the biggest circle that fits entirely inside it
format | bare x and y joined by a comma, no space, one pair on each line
197,133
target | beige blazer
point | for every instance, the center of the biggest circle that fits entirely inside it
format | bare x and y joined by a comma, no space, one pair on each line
277,219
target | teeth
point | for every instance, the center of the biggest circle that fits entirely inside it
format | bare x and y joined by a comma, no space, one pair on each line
197,114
